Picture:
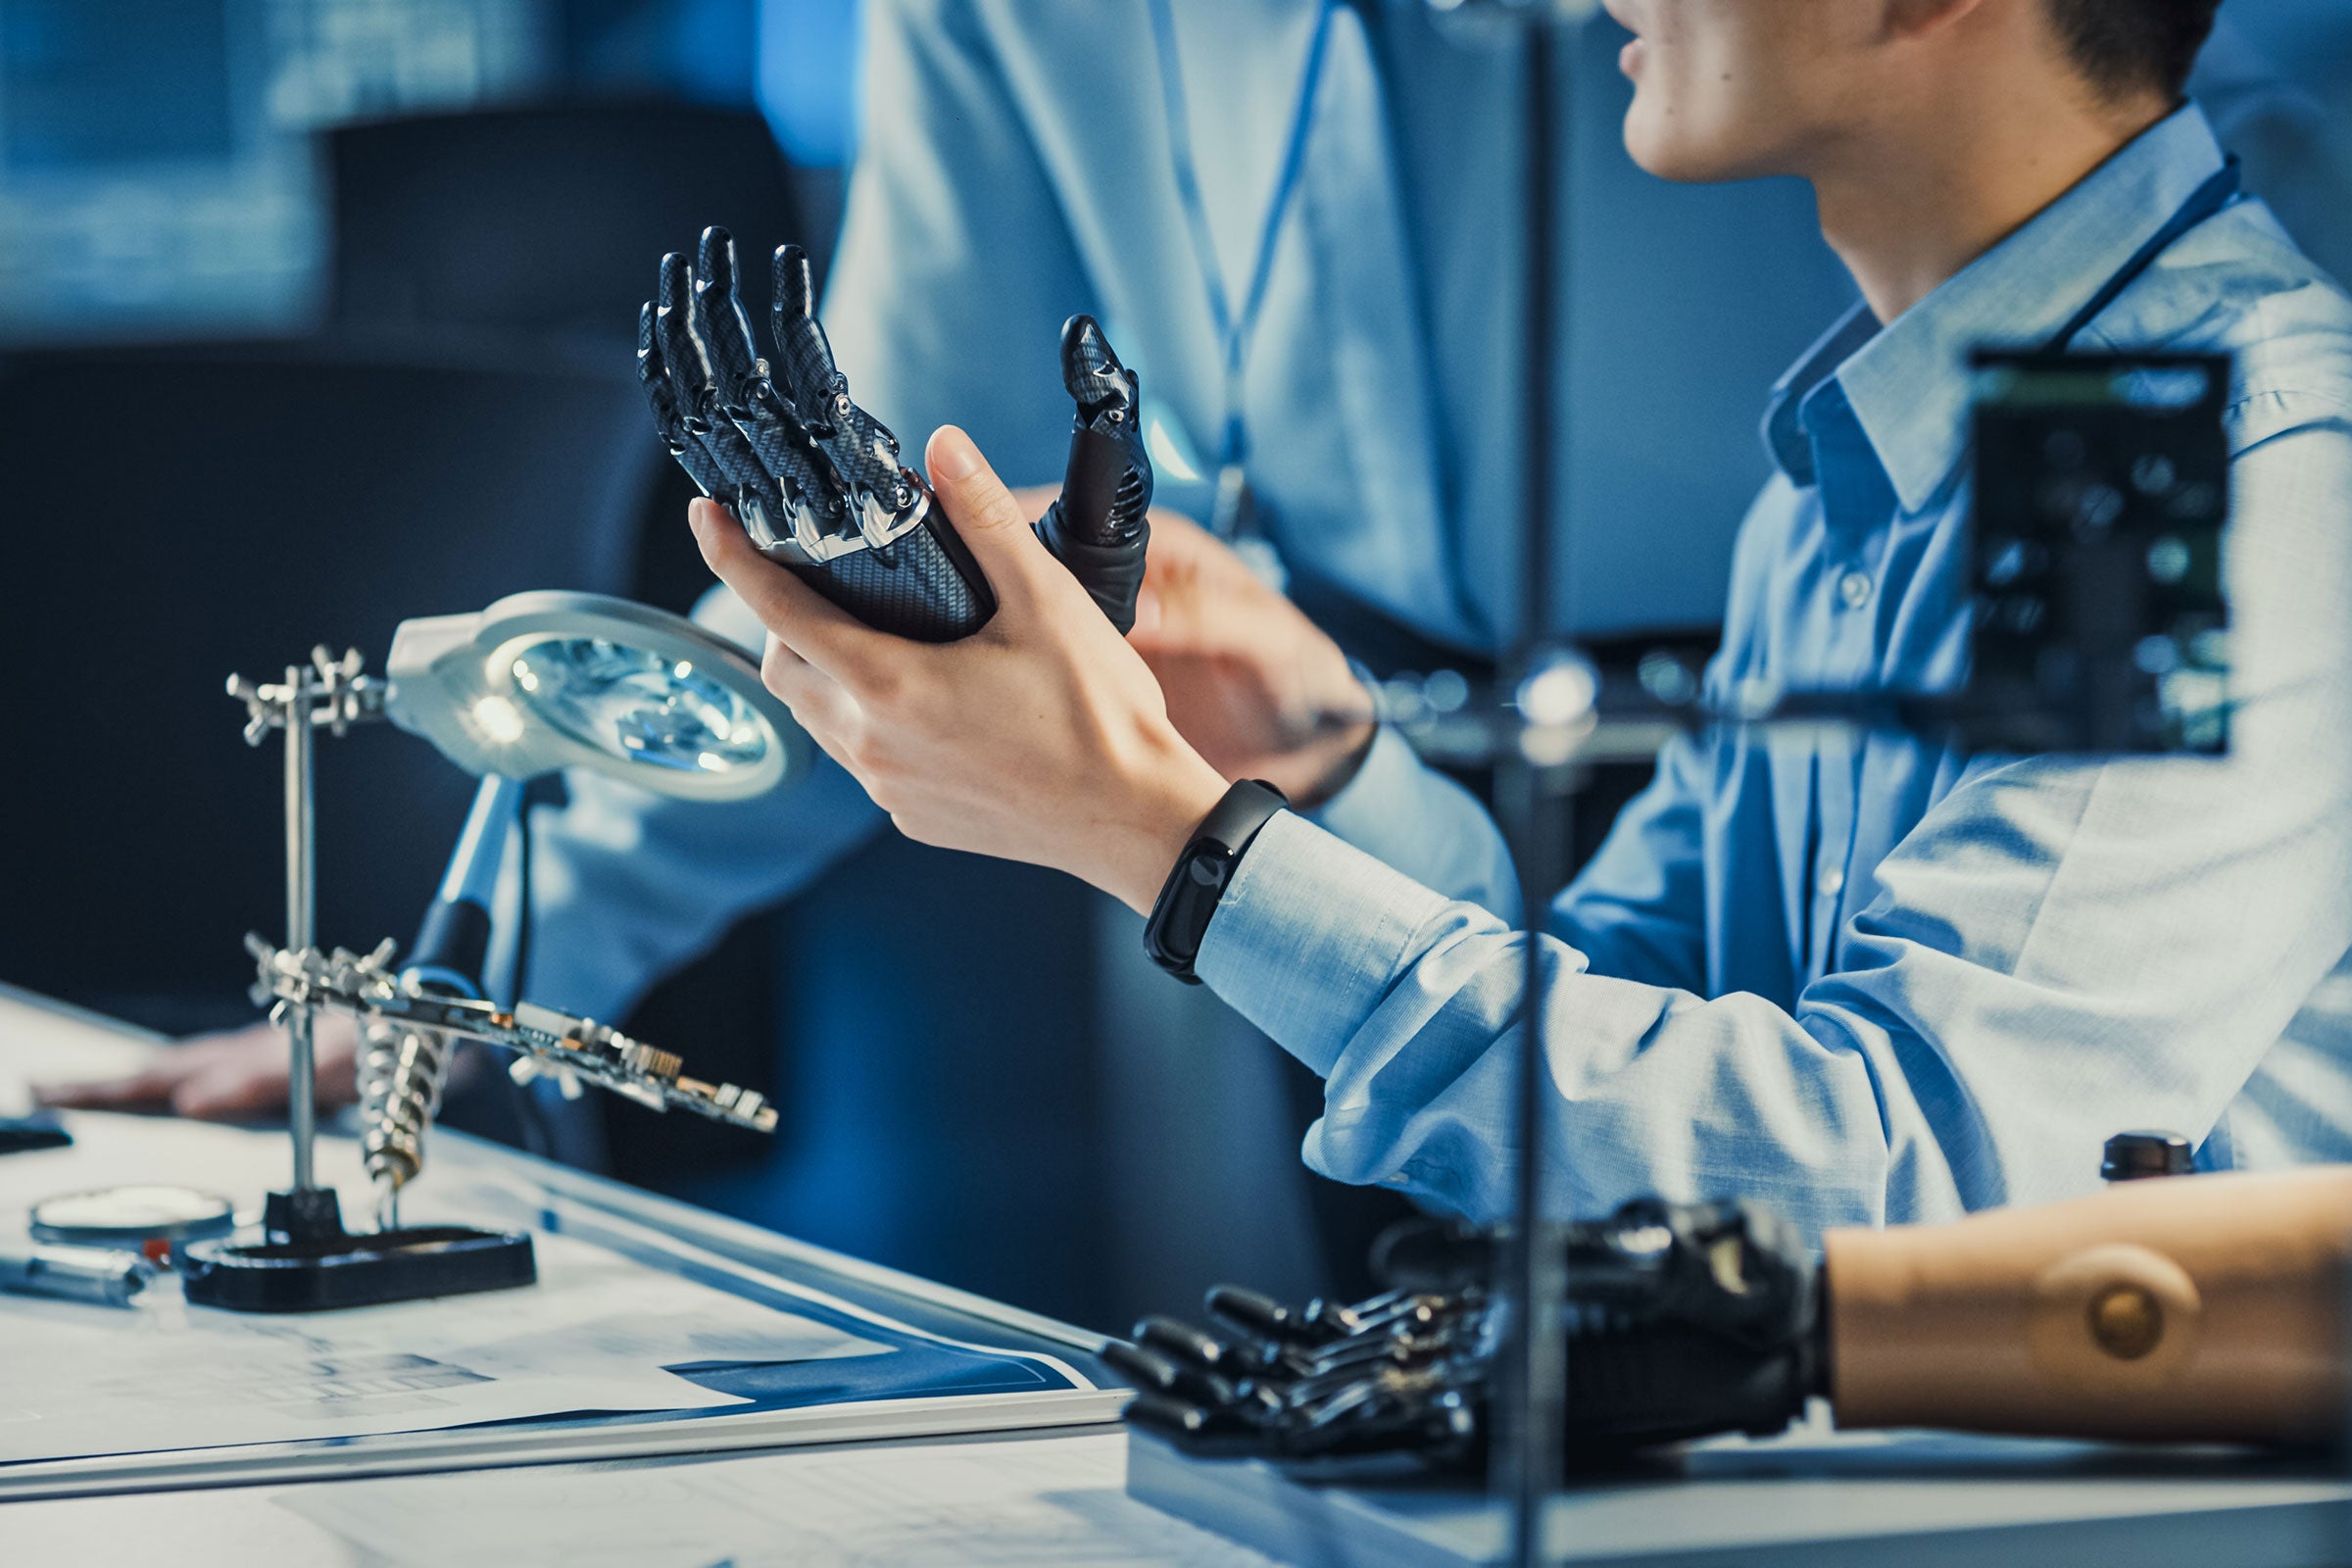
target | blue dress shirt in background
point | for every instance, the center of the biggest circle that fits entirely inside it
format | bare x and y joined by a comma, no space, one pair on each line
1867,978
990,201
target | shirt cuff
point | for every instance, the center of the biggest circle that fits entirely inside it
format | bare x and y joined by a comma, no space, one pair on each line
1309,936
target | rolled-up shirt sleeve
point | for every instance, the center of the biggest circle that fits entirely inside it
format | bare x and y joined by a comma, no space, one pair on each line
1407,814
2061,949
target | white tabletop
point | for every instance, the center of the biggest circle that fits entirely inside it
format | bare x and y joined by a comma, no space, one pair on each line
1047,1498
45,1042
1050,1501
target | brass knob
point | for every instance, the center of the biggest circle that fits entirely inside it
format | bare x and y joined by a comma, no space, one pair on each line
2127,1322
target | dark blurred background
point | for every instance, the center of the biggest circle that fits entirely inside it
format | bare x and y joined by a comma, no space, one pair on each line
318,315
315,316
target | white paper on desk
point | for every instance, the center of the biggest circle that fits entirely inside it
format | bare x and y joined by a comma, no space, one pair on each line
592,1334
1049,1502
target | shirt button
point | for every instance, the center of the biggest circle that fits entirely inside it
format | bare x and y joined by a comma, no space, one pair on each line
1401,1179
1833,881
1854,589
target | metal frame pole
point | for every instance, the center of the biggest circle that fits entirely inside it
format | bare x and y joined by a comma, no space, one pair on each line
302,909
1534,1391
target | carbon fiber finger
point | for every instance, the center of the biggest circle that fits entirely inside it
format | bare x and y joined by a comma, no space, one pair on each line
860,447
748,486
750,401
684,445
720,321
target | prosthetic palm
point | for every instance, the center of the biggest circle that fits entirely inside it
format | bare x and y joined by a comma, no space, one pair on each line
819,484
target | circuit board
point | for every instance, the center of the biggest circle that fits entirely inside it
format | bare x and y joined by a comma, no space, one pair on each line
571,1048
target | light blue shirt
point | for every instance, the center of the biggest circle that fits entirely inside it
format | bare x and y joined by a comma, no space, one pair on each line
990,201
1867,978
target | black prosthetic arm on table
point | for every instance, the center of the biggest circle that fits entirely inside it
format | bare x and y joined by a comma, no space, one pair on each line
819,483
1684,1320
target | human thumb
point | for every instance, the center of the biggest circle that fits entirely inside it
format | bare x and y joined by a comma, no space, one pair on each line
984,512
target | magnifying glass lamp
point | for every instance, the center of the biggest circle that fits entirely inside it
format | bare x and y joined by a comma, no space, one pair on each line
537,682
554,679
551,679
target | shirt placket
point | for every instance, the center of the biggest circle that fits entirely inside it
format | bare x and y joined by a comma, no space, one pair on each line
1858,504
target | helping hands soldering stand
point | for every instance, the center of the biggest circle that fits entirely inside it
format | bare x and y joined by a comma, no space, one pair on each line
536,682
307,1260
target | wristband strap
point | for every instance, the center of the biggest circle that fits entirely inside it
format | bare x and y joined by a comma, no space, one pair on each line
1180,917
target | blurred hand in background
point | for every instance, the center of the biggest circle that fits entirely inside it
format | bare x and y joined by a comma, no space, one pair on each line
228,1076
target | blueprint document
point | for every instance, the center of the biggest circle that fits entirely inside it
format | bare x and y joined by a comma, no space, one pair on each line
594,1334
1051,1502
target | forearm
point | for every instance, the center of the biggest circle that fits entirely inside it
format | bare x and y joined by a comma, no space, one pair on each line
1407,814
626,888
1407,1003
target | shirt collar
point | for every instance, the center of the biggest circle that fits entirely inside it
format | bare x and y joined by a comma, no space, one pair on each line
1908,384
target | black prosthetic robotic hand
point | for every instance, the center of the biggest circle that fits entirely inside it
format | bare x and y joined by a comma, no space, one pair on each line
819,483
1683,1321
1401,1371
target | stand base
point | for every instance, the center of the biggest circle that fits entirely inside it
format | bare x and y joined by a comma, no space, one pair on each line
308,1263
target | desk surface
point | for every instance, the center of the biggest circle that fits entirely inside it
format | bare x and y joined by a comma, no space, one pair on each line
1025,1498
1021,1502
696,1334
1057,1499
1813,1499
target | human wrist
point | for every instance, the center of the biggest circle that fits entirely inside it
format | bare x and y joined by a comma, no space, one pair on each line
1337,761
1341,729
1175,791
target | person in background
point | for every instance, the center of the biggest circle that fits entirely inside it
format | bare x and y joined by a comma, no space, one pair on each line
1374,407
1864,978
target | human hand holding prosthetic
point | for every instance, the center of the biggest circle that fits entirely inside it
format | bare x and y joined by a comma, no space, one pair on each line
1041,737
1258,688
817,482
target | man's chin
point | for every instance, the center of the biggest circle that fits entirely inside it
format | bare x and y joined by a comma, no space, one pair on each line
1672,153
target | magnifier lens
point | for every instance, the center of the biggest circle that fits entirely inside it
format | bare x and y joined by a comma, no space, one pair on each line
639,707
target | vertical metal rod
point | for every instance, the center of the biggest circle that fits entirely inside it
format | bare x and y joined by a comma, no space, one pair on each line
302,1110
1534,1394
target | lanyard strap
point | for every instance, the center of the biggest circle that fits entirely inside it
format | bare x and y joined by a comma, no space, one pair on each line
1233,331
2210,197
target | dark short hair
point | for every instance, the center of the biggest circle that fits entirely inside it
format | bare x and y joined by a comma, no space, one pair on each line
2133,46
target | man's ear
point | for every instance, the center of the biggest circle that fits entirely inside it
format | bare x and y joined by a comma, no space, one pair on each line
1921,19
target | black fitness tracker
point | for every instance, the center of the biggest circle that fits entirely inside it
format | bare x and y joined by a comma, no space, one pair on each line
1180,917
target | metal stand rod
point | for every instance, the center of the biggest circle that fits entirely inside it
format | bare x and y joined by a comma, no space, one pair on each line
332,691
1534,1388
302,1108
